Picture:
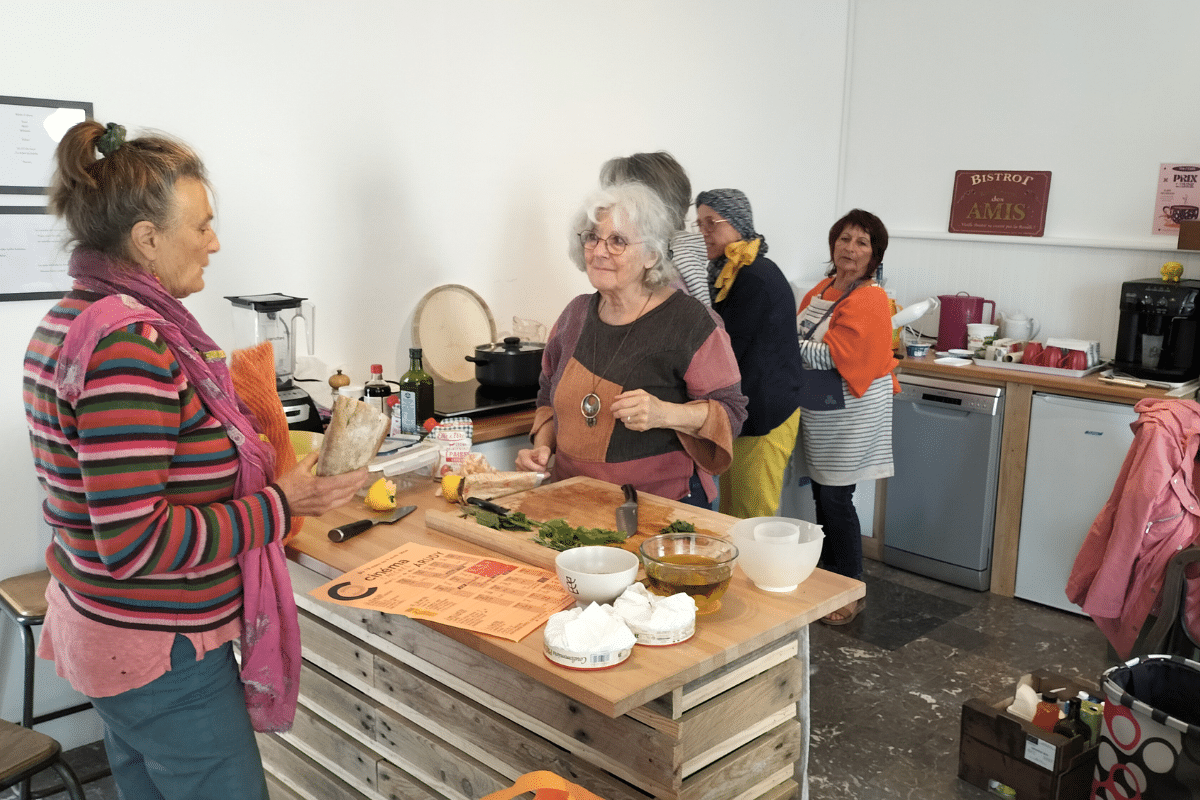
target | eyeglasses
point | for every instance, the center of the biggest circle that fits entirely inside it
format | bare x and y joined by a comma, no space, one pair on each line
616,243
709,225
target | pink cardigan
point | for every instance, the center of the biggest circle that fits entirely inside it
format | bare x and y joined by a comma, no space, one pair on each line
1153,513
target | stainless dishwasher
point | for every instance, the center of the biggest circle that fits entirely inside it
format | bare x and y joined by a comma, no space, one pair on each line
941,503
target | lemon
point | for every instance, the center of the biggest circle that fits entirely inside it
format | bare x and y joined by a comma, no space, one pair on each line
382,495
452,487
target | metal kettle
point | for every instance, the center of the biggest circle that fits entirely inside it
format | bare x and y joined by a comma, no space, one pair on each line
958,311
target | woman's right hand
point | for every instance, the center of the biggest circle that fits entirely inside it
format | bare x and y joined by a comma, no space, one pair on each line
311,496
534,459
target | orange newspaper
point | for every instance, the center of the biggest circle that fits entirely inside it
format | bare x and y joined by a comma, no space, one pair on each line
486,595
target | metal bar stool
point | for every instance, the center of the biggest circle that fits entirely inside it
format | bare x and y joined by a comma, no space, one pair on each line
23,600
24,753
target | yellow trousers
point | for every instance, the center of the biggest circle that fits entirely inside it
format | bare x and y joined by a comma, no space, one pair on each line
754,482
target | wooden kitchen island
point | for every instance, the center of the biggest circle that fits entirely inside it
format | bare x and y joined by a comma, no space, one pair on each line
395,708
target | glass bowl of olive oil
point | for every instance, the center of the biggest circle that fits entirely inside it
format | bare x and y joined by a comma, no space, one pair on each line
694,563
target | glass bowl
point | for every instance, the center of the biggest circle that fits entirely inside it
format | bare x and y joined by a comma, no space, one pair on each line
694,563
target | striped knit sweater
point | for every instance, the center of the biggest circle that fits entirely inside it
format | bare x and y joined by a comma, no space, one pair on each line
139,478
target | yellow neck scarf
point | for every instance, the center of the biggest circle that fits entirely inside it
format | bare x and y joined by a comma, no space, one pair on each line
737,255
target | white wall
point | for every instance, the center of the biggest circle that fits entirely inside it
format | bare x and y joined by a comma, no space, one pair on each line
1082,88
367,151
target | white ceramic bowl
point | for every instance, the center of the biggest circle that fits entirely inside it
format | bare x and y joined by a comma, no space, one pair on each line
777,566
958,352
596,574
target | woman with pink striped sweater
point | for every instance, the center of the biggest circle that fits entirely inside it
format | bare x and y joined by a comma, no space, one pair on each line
158,489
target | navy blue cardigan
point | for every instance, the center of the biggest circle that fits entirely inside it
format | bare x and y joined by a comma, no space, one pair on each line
760,318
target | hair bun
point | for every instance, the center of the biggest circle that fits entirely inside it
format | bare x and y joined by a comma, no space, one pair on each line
111,140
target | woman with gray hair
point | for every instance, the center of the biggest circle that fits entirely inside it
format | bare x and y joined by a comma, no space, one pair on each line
639,384
662,173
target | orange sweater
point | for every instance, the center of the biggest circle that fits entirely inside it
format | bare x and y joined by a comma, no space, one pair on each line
859,335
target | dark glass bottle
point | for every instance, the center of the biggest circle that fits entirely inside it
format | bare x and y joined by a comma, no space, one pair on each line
377,390
1071,725
416,395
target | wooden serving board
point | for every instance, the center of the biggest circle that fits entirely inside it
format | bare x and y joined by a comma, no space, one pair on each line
582,502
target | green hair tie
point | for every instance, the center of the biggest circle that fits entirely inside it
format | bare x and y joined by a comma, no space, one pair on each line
112,139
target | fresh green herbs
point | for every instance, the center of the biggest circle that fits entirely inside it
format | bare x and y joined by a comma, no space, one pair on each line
557,534
516,521
679,526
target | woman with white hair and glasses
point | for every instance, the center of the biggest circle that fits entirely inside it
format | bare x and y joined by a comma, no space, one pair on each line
639,383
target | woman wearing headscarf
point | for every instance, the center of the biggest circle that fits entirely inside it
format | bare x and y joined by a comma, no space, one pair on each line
845,325
755,301
166,508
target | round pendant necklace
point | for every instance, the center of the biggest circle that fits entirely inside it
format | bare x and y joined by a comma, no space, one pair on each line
590,405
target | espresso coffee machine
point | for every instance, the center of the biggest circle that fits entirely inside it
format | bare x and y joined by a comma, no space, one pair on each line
1158,337
273,318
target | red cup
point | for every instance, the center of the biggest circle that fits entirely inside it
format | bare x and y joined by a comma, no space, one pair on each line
1033,354
1076,359
1052,357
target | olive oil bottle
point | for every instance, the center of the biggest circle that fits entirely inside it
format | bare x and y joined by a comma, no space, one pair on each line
416,395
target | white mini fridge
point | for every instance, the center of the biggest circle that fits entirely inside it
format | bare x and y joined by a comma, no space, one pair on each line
1076,449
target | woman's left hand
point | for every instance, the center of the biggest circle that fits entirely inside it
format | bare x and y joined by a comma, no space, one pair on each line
639,410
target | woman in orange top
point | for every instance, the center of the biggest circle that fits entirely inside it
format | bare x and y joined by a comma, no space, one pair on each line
845,324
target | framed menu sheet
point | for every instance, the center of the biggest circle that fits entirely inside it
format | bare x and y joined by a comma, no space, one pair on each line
33,254
30,129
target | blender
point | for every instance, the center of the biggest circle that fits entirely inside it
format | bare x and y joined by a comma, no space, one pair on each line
272,318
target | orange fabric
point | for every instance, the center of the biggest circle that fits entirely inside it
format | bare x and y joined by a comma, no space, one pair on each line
546,785
253,374
859,335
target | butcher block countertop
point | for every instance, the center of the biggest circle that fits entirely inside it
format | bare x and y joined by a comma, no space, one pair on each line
749,618
1089,386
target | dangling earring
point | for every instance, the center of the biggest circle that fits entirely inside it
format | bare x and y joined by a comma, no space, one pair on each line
154,270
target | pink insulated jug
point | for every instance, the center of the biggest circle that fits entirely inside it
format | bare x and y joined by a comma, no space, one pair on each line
958,311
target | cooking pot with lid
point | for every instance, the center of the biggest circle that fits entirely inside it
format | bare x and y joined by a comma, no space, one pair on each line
509,364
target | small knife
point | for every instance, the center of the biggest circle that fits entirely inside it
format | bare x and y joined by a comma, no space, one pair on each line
343,532
627,512
488,505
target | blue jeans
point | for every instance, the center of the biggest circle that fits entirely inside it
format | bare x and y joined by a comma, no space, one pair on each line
696,496
186,734
841,552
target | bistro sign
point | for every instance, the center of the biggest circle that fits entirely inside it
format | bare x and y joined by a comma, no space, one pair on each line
997,202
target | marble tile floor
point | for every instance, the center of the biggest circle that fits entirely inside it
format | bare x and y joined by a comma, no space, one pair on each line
887,690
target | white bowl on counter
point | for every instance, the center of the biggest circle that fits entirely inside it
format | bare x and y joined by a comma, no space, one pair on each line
776,564
596,574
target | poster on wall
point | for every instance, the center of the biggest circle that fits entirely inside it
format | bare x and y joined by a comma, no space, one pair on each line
1008,203
1178,197
30,130
33,254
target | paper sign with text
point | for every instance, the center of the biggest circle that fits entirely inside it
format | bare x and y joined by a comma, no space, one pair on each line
482,594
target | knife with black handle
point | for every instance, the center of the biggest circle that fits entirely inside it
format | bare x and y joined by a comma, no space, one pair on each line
343,532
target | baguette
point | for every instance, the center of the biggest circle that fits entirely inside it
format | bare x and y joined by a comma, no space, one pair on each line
488,485
355,432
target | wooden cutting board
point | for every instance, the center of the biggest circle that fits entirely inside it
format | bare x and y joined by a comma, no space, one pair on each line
583,502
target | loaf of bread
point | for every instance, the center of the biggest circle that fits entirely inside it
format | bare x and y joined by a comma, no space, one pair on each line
355,432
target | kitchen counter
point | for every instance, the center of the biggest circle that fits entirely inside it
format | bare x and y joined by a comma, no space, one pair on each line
1019,387
721,715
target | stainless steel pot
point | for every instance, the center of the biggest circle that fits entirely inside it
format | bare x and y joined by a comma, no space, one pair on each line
509,364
